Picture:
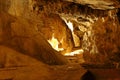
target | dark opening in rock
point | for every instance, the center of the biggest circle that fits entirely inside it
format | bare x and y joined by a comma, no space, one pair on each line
88,76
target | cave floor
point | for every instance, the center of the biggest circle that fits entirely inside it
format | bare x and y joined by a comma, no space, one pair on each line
64,72
75,72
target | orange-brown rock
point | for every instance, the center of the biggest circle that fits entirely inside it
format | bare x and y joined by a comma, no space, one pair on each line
22,35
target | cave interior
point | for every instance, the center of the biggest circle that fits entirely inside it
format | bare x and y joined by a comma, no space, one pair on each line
60,39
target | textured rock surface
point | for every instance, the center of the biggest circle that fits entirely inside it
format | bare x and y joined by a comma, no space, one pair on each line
98,4
21,34
33,19
26,25
53,25
106,36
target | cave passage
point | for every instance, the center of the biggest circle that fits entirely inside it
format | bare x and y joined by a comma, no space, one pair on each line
59,39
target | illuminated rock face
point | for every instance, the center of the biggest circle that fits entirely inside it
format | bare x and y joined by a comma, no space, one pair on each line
55,27
106,32
95,31
22,34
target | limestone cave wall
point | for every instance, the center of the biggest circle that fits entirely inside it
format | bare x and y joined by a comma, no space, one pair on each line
106,34
19,31
33,22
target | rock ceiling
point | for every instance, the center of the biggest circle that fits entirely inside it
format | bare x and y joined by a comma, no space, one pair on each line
97,4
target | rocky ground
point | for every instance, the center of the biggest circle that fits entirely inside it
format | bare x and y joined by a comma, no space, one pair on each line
65,72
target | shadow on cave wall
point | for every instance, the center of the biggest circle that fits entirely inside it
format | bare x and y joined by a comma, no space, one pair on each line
118,14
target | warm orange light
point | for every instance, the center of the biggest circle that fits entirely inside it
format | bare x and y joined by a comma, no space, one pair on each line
80,51
54,43
70,25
